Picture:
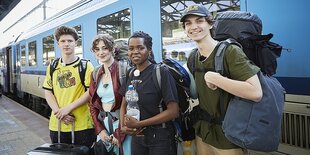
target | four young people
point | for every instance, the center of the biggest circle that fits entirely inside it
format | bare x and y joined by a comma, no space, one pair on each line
154,132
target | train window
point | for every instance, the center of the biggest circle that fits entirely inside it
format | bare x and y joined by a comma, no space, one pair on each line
176,44
48,50
23,55
79,48
116,24
32,55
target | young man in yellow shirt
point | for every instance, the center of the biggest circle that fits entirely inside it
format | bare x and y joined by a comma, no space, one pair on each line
66,94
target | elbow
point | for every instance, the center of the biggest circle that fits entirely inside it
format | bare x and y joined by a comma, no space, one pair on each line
176,113
258,97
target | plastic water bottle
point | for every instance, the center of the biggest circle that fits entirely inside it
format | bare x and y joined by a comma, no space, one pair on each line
188,148
132,102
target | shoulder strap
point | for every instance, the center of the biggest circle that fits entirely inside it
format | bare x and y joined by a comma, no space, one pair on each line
53,66
219,67
82,71
191,61
122,70
95,73
156,77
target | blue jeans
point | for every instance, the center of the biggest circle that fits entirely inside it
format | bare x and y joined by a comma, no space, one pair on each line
156,141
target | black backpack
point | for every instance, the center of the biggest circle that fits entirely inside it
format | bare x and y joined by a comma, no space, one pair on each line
82,69
183,124
246,29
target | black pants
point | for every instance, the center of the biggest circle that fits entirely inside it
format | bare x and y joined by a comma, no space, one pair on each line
84,137
156,141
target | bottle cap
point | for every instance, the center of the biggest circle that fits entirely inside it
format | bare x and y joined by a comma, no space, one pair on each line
130,87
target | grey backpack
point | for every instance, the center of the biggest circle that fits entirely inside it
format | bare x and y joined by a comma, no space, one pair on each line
251,125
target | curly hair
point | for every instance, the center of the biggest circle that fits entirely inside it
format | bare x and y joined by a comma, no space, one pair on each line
106,38
147,42
66,30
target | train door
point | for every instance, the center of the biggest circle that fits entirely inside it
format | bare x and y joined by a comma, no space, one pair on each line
11,69
18,71
2,70
6,71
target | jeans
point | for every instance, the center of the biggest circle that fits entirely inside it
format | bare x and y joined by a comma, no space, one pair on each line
156,141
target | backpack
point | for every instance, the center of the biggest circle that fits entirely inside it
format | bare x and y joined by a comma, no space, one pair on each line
251,125
246,29
82,69
182,123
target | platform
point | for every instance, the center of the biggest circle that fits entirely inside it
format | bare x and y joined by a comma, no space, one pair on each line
21,130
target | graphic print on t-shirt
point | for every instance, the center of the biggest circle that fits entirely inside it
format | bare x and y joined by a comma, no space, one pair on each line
65,79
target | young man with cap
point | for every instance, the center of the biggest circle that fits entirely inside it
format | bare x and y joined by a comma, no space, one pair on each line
241,81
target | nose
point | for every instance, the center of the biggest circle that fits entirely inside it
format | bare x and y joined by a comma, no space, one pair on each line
194,26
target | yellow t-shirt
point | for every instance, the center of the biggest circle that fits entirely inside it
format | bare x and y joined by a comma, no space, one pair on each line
67,87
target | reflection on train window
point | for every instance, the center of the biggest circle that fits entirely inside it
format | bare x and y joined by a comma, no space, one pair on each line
116,24
23,55
176,44
18,55
79,47
32,55
48,50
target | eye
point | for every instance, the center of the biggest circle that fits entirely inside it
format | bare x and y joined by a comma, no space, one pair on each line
141,48
200,20
130,49
96,49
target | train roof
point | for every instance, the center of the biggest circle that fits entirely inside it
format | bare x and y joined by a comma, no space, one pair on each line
69,14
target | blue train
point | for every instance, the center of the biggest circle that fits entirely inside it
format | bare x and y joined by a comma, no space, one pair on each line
23,62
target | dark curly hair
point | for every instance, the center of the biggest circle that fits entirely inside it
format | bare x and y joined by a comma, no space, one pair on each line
147,42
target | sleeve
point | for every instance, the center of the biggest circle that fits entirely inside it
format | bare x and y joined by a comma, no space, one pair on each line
89,70
169,90
238,65
48,83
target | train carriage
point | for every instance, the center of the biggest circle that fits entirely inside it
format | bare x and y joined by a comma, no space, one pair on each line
23,61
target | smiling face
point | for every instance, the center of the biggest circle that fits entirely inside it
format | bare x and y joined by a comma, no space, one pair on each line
67,44
102,52
138,52
196,27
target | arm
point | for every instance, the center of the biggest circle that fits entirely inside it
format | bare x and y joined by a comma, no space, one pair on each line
51,101
67,109
249,89
169,114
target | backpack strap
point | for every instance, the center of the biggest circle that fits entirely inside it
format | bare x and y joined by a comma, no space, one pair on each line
53,66
82,71
122,70
192,61
219,67
95,74
156,77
